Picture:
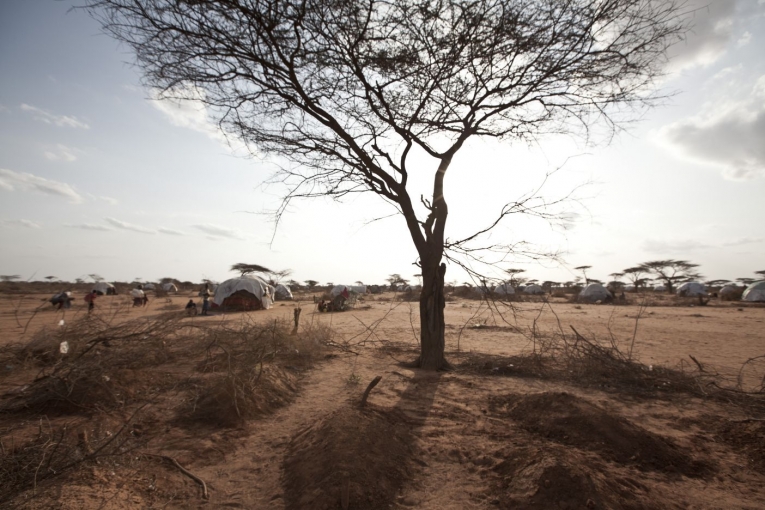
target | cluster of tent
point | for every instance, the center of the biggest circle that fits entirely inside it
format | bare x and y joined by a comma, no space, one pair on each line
248,292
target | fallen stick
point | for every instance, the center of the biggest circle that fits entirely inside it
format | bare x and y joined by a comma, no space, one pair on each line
369,388
183,470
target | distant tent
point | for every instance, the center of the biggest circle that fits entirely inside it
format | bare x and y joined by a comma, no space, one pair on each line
282,293
362,289
149,286
338,290
104,288
137,293
690,289
755,292
61,297
728,290
504,290
243,293
169,287
533,289
660,288
595,292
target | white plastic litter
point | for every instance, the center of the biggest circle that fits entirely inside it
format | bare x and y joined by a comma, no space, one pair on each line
64,347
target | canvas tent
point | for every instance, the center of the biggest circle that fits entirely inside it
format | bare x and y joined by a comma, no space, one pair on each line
755,292
104,288
504,290
169,287
595,292
282,293
149,286
691,289
243,293
728,290
533,289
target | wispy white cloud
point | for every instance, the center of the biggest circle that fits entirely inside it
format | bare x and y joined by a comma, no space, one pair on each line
744,240
170,231
183,107
129,226
108,200
218,231
62,153
10,181
674,246
727,134
745,38
20,223
89,226
53,119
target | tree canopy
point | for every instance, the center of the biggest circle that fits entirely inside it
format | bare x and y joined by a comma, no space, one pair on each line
349,90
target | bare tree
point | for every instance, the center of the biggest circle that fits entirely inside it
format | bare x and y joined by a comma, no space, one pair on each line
671,271
347,91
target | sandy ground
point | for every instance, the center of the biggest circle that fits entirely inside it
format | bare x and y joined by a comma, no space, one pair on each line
479,436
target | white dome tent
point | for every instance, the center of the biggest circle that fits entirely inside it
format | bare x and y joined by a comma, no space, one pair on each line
149,286
169,287
282,293
595,292
533,289
105,289
755,292
504,290
691,289
728,290
244,293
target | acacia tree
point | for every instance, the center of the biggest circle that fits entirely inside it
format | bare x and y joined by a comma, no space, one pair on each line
635,275
311,284
244,269
671,271
584,269
349,90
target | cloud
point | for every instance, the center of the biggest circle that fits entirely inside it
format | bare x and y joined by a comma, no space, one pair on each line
710,35
674,246
170,231
726,134
52,119
129,226
62,153
89,226
183,107
20,223
109,200
745,240
745,38
10,181
218,231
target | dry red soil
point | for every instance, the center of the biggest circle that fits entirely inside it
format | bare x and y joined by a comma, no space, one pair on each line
529,416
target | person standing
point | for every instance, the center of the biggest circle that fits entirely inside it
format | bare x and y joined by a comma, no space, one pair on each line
205,300
91,300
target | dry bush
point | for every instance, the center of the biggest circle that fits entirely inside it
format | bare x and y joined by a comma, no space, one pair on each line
27,464
250,370
95,372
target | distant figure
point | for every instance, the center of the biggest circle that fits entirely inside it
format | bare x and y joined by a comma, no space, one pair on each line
205,300
138,295
191,308
91,300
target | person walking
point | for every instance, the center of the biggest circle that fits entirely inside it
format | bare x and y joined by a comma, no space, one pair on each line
205,300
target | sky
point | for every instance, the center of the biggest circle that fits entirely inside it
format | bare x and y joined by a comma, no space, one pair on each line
97,177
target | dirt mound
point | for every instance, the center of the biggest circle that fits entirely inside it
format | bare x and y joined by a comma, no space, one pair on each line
572,421
747,438
359,456
542,478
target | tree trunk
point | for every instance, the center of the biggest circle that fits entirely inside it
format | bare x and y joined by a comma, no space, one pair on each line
432,323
